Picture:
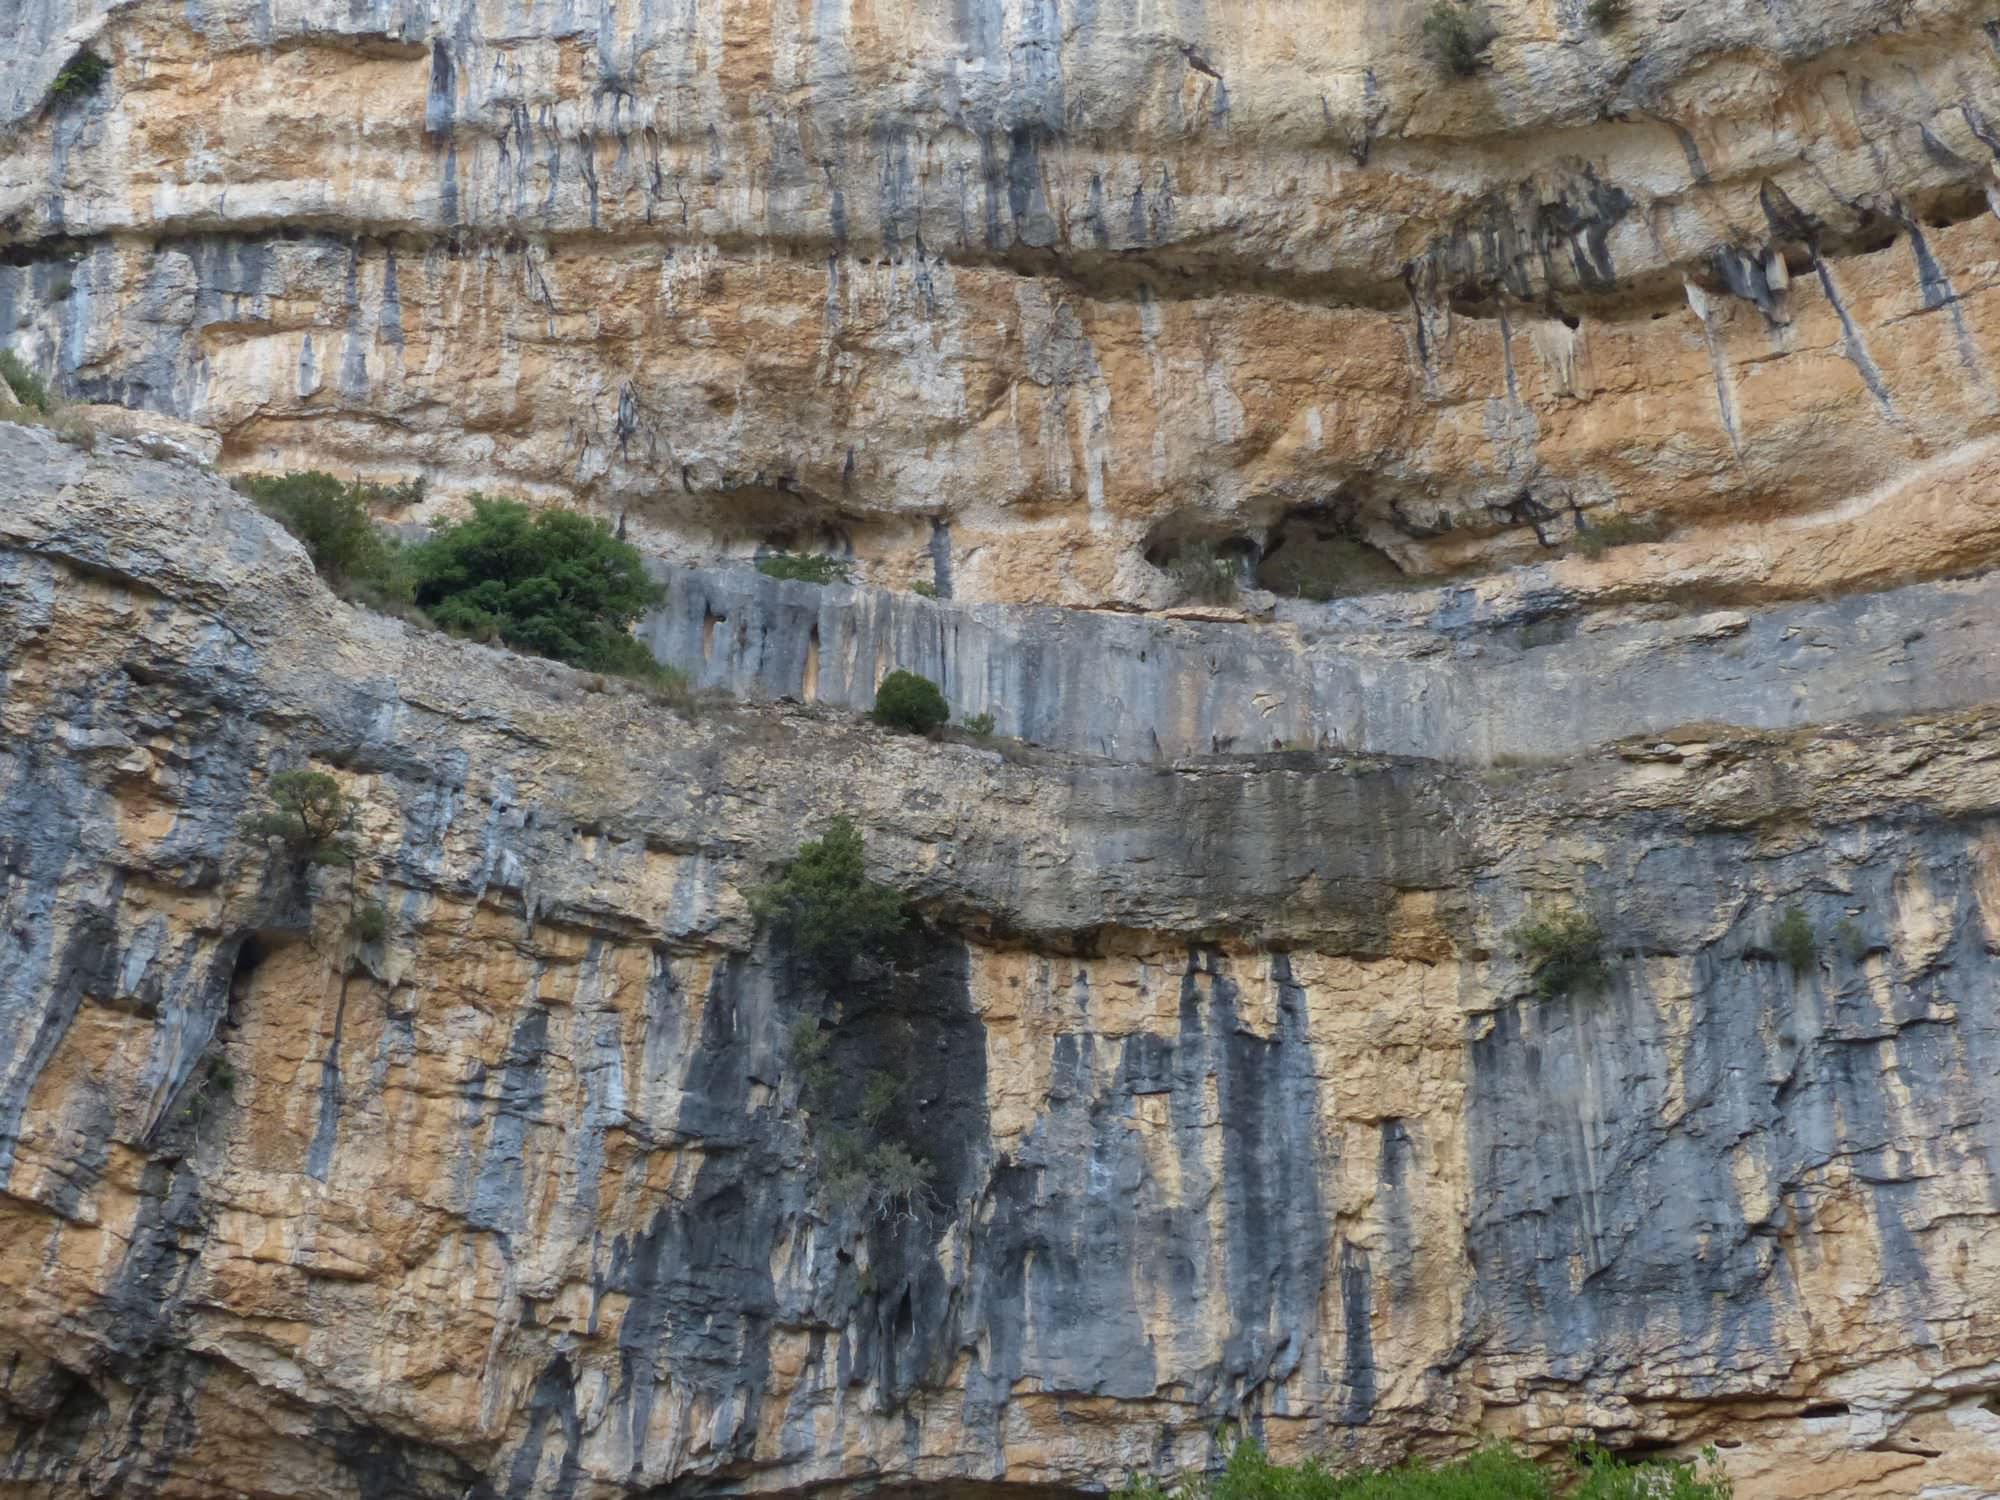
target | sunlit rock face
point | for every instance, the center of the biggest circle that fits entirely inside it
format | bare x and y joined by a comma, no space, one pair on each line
1236,1100
1603,448
1038,291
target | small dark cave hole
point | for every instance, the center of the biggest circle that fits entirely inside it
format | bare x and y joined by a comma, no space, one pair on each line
1318,553
1824,1409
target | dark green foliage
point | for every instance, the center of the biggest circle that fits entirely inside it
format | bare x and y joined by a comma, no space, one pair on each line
1457,36
1203,575
1601,536
308,816
1565,949
878,1097
1849,938
805,567
335,521
1794,941
924,589
551,582
908,702
369,923
29,388
978,724
824,905
1605,14
221,1076
805,1053
871,1179
1491,1474
82,75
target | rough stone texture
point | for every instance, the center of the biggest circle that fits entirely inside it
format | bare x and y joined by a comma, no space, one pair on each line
1238,1104
1039,289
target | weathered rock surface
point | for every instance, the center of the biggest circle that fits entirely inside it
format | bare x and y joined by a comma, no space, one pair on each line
1238,1105
1037,291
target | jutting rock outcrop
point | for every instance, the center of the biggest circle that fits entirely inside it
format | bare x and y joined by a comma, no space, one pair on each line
1238,1104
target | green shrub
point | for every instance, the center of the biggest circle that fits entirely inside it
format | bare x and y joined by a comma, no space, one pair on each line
878,1097
911,703
978,724
806,1054
1605,14
306,814
551,582
82,75
1492,1474
1203,575
1616,531
1849,938
369,923
334,520
823,903
1457,36
1793,939
807,567
1565,951
923,588
29,388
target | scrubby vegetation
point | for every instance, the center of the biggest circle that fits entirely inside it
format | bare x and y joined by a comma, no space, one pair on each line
1457,36
1794,941
29,388
1565,951
335,520
1605,14
1493,1474
978,724
369,923
307,816
1850,940
805,567
911,703
1203,575
82,75
824,905
551,582
1601,536
923,588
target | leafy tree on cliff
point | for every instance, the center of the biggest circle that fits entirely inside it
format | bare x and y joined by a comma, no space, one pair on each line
551,582
824,904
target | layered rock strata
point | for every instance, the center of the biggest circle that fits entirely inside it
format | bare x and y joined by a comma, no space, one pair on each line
1237,1103
1035,294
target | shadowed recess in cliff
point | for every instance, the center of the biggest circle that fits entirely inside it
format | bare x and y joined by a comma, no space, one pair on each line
759,1243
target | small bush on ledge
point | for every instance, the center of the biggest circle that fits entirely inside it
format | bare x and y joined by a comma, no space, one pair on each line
308,816
823,903
553,582
805,567
81,76
1457,36
29,388
911,703
1565,951
1794,941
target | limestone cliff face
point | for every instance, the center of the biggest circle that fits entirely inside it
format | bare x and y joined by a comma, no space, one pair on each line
1239,1105
1015,294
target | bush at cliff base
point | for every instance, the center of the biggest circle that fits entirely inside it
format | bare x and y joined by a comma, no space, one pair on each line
907,701
1492,1474
550,582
